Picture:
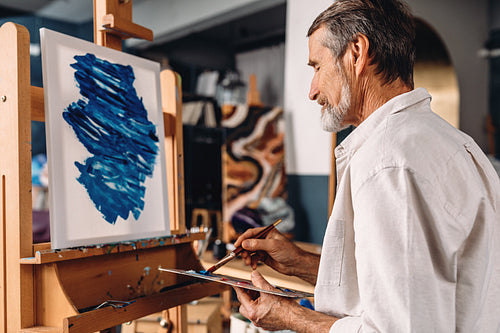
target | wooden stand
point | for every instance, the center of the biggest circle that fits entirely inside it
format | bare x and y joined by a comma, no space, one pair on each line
95,288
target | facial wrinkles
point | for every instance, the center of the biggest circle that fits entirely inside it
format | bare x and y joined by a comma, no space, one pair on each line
333,116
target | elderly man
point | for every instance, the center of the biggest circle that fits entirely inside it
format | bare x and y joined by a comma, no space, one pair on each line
413,242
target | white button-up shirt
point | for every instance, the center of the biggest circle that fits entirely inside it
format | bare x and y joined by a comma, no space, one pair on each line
413,242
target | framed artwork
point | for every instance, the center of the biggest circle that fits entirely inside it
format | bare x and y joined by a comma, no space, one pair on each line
106,158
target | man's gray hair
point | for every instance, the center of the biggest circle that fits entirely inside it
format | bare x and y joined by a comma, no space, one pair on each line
388,25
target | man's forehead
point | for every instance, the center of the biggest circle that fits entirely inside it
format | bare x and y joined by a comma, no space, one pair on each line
317,48
319,34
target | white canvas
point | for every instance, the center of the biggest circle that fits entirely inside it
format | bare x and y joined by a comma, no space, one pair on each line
104,143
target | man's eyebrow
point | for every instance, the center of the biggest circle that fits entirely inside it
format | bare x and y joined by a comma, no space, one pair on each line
311,63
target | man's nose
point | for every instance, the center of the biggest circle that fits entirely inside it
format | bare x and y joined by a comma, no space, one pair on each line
313,92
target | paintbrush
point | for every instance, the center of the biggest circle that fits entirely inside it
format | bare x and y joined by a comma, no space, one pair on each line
239,249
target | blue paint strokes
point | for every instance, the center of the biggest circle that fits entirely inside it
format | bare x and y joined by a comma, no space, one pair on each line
147,269
111,122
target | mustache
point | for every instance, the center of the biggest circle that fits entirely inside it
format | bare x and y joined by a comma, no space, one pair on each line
322,100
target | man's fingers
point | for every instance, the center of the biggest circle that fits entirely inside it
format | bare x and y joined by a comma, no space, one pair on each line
244,298
259,281
243,311
257,244
242,295
247,234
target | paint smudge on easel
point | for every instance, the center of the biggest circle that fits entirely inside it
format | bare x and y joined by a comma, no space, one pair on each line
153,282
131,290
110,120
140,281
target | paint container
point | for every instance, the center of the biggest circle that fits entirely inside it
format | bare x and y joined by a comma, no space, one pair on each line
238,323
219,249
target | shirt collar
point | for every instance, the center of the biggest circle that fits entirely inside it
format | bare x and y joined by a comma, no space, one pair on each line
359,135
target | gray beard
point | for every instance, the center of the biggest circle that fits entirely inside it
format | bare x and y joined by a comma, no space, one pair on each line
332,117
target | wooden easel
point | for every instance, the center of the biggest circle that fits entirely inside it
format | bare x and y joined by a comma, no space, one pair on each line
43,290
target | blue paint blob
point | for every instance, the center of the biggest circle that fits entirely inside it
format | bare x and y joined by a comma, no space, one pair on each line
204,272
306,303
111,122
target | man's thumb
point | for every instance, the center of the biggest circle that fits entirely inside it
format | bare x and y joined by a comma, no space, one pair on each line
259,281
255,245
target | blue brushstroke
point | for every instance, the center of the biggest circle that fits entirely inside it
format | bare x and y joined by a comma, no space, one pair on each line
111,122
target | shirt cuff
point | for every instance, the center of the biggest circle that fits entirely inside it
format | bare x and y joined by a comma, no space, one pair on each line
346,324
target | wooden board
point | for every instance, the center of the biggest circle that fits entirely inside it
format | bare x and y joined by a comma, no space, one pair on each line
98,319
15,161
121,276
171,97
51,301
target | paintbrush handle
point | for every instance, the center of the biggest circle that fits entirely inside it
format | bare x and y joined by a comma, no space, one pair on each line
266,230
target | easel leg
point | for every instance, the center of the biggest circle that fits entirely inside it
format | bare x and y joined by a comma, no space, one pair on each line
178,316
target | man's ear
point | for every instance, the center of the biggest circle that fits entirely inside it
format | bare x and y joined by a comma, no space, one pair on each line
359,57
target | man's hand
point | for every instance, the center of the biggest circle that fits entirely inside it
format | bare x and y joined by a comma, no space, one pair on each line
273,312
267,311
280,253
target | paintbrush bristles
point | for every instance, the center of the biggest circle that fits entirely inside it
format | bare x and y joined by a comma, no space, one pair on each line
223,261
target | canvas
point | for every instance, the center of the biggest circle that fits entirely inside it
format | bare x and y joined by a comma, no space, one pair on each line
104,125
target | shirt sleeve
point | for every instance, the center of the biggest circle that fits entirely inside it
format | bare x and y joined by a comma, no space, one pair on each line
404,256
347,324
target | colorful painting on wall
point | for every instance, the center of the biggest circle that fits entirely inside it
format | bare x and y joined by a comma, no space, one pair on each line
254,168
104,124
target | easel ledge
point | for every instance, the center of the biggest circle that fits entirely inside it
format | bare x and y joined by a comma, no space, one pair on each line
44,254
